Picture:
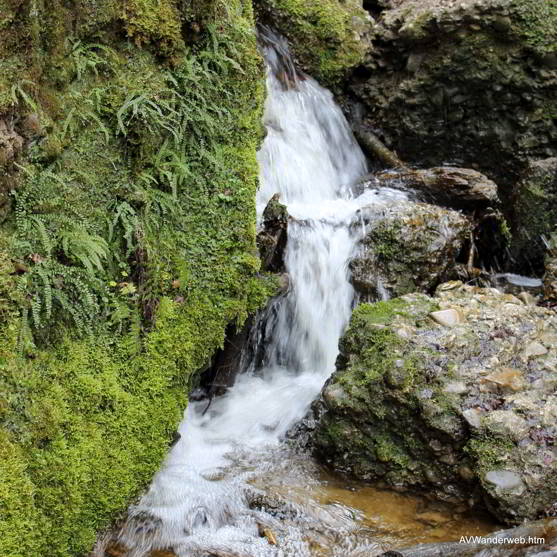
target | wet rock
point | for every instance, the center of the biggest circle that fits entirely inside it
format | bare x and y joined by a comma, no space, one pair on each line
535,539
457,410
470,83
271,241
535,210
550,277
410,247
455,188
505,480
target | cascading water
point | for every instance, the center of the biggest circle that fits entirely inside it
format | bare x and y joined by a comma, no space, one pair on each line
200,503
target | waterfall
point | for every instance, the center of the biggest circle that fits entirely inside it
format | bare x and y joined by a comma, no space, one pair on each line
198,502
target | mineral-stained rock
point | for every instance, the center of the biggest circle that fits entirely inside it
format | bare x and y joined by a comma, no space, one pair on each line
408,247
459,410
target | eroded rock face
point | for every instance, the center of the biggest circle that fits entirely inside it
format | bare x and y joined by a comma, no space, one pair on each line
407,248
468,82
464,405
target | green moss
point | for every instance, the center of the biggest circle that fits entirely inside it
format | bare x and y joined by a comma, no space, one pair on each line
323,34
134,228
488,452
537,23
154,22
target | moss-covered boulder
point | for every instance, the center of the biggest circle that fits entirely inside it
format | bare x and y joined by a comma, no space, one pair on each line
329,38
408,247
471,83
453,394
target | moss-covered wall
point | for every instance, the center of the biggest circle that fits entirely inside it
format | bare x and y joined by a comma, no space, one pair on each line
128,133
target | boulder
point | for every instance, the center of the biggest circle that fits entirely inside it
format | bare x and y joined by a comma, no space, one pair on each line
454,394
451,187
408,247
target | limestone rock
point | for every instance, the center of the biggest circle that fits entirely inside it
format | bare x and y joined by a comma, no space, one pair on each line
456,410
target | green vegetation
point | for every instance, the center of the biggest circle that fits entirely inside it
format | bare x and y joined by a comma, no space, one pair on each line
127,241
323,34
538,24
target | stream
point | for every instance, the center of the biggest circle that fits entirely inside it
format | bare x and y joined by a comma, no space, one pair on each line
231,486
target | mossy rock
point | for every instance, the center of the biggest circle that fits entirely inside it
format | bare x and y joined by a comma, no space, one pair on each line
328,37
451,408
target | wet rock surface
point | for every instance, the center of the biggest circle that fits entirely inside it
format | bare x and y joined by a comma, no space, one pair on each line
536,539
550,277
535,210
464,405
409,247
271,241
451,187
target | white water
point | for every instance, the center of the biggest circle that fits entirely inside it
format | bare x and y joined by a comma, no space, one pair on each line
200,497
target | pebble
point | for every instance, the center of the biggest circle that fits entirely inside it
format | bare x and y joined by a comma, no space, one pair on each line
447,317
504,479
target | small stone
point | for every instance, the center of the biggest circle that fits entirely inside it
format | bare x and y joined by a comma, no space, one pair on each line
528,299
446,317
506,423
535,349
456,387
451,285
466,473
507,377
473,417
504,480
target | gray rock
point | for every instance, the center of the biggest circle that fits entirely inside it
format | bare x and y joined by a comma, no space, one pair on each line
505,480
